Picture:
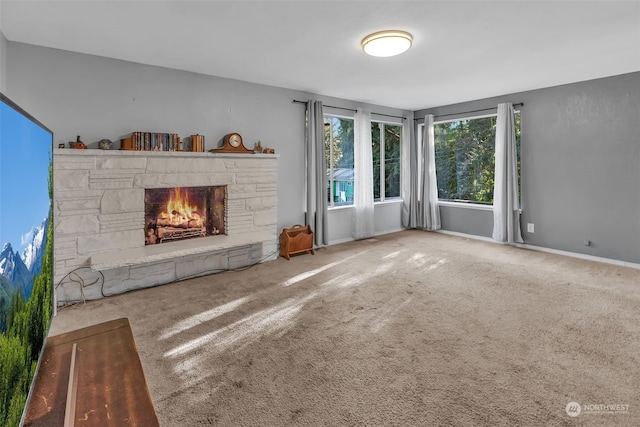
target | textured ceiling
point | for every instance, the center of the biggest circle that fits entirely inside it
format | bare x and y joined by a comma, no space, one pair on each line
463,50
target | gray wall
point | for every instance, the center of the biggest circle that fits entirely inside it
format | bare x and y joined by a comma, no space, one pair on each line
580,167
3,62
3,56
580,149
467,220
94,97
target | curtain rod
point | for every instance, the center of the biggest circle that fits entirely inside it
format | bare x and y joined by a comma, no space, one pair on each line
519,104
351,109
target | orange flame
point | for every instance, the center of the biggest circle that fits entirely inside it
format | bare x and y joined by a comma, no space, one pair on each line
180,209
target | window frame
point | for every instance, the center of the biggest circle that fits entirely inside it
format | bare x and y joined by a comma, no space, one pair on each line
463,203
382,188
331,194
383,200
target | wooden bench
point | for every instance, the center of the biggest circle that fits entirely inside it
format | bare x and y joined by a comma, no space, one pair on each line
110,387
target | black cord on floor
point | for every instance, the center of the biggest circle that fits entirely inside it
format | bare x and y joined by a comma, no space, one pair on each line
74,277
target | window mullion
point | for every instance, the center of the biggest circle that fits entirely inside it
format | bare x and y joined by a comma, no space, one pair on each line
331,183
382,161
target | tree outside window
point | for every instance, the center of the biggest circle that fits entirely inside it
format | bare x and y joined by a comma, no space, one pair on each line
465,158
386,142
338,138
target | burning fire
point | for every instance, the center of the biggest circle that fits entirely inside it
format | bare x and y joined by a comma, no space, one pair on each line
180,212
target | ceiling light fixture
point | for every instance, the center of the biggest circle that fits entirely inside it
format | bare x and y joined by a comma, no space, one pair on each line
387,43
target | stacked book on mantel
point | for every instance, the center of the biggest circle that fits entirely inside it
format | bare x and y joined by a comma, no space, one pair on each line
151,141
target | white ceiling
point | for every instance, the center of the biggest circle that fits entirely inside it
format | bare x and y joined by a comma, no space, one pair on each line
463,50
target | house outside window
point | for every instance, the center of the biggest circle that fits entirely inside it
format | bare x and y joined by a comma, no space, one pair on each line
338,138
386,140
465,158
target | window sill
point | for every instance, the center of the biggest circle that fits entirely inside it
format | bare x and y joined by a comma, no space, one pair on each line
386,202
392,201
474,206
337,208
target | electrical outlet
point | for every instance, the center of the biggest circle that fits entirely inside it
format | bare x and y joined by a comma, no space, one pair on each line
530,228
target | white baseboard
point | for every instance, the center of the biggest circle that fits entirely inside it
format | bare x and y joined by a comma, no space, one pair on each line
581,256
467,236
351,239
337,242
548,250
380,233
519,245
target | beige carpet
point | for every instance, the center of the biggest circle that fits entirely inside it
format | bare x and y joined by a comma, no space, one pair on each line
407,329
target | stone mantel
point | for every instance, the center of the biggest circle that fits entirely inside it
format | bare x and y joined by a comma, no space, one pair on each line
160,154
99,216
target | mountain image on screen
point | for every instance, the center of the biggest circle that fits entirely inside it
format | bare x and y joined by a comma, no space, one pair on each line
26,255
17,270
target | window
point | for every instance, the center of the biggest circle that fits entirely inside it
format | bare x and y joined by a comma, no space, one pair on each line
465,158
386,140
338,139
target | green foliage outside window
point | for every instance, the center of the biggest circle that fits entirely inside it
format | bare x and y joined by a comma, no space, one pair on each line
339,151
465,158
390,160
339,135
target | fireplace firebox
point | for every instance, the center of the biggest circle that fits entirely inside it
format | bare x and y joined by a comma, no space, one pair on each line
179,213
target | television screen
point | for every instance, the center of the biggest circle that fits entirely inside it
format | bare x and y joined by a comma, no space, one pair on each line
26,259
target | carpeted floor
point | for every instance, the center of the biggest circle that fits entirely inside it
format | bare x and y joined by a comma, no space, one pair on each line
407,329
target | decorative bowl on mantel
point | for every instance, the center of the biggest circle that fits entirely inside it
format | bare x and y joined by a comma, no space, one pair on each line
105,144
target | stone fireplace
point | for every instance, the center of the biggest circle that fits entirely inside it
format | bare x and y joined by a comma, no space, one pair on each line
101,223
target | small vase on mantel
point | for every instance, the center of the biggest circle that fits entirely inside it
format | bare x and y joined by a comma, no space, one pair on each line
77,144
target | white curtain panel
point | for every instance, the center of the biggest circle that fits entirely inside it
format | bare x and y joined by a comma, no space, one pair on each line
506,203
429,209
363,225
316,165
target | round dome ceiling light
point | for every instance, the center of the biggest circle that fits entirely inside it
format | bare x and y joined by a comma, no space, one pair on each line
387,43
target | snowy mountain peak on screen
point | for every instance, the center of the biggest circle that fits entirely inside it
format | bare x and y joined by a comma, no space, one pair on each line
6,247
32,254
6,259
11,265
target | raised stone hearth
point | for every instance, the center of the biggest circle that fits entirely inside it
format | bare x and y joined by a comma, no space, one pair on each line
99,217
